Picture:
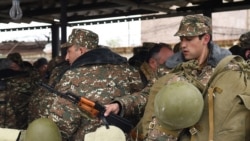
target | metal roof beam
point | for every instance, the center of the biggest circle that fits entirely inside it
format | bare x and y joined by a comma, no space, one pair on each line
75,8
140,5
219,7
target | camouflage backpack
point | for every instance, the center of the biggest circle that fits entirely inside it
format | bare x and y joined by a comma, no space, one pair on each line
226,115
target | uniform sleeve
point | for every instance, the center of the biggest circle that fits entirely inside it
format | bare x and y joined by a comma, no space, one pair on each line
135,103
65,115
136,83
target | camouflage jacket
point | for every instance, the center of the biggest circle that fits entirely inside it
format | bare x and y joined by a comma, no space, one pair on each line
148,74
7,115
99,75
41,99
19,90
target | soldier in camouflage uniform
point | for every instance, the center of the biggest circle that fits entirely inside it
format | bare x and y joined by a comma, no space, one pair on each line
140,54
244,45
150,60
194,63
15,95
20,91
41,100
95,73
7,115
154,65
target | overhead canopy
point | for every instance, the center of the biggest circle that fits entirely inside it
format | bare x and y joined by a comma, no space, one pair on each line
48,11
61,13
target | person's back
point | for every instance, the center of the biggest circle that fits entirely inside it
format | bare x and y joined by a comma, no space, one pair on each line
40,97
96,82
99,75
18,91
7,115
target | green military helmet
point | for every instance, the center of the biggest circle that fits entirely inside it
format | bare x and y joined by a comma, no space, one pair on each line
42,129
178,105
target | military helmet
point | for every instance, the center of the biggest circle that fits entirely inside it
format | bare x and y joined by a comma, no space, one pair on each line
194,25
42,129
178,105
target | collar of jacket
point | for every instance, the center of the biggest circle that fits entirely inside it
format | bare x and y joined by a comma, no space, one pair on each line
148,71
215,55
99,56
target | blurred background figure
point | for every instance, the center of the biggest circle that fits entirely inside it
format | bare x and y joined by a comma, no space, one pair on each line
235,50
16,93
41,65
153,66
16,58
140,54
245,45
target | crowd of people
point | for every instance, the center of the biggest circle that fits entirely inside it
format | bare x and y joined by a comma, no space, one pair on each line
125,87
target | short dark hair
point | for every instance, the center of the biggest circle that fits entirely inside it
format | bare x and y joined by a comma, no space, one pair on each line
200,36
40,62
156,49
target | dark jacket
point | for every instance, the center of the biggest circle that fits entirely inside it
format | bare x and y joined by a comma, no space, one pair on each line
99,56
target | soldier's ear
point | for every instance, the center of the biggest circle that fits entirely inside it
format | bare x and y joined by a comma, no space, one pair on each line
153,63
206,38
83,50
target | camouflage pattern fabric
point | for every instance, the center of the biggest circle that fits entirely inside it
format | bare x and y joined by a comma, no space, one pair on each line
148,129
7,115
96,82
57,73
149,75
148,72
54,62
34,76
194,25
20,90
82,37
41,99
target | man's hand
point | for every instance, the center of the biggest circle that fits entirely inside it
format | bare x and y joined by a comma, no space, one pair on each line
112,108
